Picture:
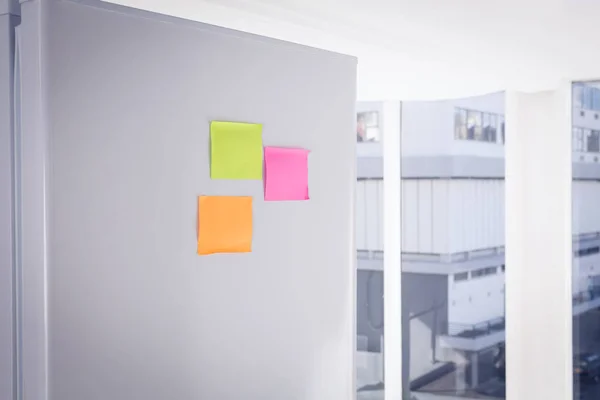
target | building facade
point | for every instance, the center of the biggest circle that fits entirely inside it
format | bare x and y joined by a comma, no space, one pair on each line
453,232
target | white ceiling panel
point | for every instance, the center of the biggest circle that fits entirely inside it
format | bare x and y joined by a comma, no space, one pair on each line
425,49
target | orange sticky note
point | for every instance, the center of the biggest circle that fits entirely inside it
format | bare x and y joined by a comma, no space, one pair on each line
224,224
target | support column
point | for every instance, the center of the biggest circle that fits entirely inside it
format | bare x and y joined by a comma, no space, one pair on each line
538,245
460,374
396,366
474,369
9,18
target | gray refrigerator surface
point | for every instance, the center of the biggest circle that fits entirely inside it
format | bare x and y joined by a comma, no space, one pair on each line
9,18
116,105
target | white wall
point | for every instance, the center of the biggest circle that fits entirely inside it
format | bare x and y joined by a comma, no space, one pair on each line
438,216
476,214
586,209
369,215
428,127
493,103
477,299
590,120
444,216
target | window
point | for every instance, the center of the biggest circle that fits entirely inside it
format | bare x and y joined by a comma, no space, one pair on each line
450,309
493,128
585,285
461,276
478,126
578,139
578,96
460,123
487,128
369,217
595,99
587,97
503,267
474,131
586,135
586,251
479,273
593,141
367,127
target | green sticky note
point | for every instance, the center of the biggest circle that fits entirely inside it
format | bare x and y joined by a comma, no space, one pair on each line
236,150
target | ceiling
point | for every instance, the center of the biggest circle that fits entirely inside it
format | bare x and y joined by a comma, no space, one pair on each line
425,49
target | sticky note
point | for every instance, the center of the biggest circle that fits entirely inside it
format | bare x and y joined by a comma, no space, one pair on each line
235,150
224,224
286,174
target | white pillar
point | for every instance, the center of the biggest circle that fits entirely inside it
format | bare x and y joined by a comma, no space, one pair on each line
392,303
460,375
538,245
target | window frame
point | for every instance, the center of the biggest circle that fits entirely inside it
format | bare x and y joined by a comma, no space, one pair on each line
489,130
528,187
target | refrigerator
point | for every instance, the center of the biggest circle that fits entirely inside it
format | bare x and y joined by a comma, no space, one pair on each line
105,142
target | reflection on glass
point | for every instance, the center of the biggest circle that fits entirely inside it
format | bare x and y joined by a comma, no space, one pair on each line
586,241
367,126
369,244
474,125
577,96
460,123
453,250
478,125
578,139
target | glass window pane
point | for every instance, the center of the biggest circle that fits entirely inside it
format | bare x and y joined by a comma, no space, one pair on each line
369,246
486,127
453,311
586,137
367,127
577,139
586,258
596,99
587,97
593,146
493,128
474,127
577,95
460,123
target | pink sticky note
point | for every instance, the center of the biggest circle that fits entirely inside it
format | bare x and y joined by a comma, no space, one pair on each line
286,174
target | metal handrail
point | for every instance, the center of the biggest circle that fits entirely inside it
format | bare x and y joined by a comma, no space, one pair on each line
585,296
474,331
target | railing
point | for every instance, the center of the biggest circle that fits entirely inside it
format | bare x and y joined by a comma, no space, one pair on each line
474,331
593,293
